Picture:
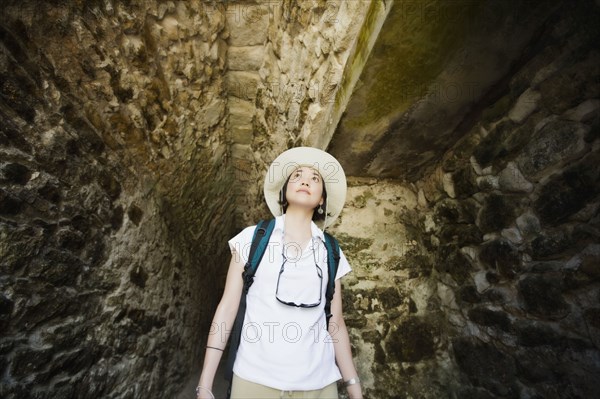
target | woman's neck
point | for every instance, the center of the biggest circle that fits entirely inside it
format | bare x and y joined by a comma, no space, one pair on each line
297,223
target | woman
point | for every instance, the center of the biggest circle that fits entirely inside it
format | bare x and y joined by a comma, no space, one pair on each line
287,347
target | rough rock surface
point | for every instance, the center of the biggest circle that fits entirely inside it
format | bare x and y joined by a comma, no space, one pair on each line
480,279
112,151
133,141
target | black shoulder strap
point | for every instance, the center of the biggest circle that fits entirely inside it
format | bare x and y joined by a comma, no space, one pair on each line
260,241
333,261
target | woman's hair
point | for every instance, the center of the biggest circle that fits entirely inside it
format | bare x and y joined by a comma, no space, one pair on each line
316,215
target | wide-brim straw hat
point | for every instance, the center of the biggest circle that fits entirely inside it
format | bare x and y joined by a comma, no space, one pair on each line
328,167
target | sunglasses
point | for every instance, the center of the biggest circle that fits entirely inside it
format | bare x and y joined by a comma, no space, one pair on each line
289,281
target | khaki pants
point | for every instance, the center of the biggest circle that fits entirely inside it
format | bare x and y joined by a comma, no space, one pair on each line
242,389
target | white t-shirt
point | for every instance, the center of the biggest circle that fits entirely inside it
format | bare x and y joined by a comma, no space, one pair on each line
286,347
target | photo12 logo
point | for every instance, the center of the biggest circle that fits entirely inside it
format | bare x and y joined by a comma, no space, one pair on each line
327,170
242,12
273,331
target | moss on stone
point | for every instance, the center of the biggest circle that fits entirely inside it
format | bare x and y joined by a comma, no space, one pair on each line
371,336
360,201
412,51
389,298
414,226
412,341
455,211
379,357
353,245
462,151
460,234
417,264
355,321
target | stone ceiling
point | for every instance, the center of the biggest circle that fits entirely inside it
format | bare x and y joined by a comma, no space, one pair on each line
425,79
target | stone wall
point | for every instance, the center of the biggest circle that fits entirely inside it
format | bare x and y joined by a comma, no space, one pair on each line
115,195
133,141
481,280
286,62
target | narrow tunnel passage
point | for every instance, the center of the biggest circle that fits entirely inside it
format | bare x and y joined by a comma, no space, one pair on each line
134,137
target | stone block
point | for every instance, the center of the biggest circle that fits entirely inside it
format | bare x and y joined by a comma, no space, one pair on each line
483,362
571,86
247,58
528,224
212,113
240,113
460,234
584,111
468,294
481,282
497,213
542,295
242,134
569,192
513,235
526,104
488,183
14,173
501,256
511,180
490,318
491,147
248,24
553,142
464,182
28,361
9,204
243,85
453,211
450,260
242,152
551,245
531,335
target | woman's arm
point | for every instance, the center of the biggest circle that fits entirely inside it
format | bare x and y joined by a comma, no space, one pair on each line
222,321
343,352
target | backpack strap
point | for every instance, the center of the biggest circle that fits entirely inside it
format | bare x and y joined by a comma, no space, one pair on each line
333,261
260,241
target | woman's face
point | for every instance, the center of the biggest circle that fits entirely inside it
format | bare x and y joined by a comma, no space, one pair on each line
305,188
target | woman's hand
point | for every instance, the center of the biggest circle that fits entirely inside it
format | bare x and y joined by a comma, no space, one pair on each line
354,391
204,393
